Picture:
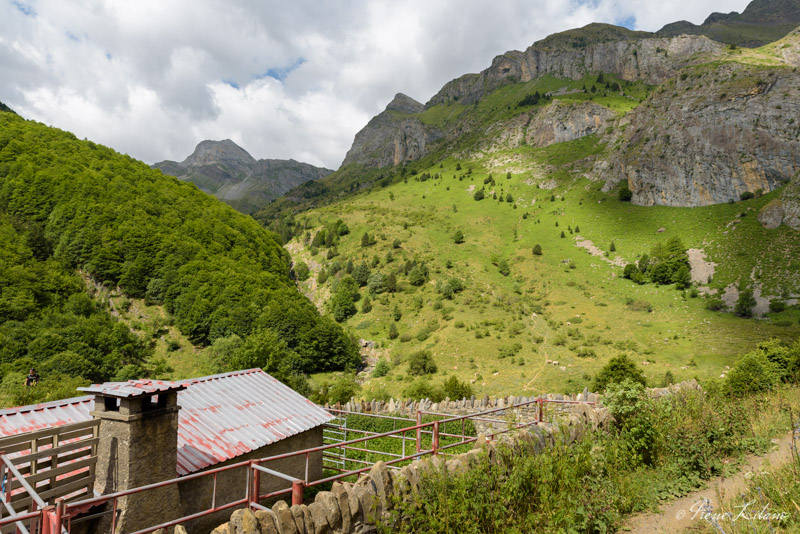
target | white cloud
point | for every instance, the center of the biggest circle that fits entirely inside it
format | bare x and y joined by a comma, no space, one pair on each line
153,78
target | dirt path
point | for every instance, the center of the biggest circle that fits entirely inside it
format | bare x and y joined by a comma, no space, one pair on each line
677,516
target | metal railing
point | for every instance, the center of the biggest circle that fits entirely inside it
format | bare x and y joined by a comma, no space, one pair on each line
58,519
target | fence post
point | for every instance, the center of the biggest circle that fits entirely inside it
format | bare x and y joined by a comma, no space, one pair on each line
256,484
435,438
541,408
59,515
297,492
419,431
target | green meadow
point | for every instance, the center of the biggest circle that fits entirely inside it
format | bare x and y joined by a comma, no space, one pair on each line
565,305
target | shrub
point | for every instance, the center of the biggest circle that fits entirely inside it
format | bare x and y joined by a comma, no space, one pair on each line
715,304
405,337
366,305
396,243
479,194
625,194
381,368
745,304
537,250
751,374
458,237
456,389
503,268
612,247
630,270
421,363
777,306
396,313
376,283
393,333
423,389
617,370
417,275
747,195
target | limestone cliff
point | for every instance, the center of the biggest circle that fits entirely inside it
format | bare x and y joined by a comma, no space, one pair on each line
394,136
227,171
554,123
710,135
593,49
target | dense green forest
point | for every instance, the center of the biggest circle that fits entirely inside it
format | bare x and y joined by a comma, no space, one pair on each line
69,204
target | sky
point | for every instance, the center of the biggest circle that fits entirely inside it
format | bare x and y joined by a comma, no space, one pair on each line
283,79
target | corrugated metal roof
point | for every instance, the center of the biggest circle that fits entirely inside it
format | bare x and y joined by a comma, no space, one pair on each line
132,388
15,421
222,416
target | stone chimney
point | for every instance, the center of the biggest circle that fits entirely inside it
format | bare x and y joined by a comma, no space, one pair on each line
138,446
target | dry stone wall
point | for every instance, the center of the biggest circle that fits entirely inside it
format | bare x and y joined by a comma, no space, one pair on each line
356,508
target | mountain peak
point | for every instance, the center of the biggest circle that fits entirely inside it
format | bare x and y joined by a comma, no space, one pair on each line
225,151
404,104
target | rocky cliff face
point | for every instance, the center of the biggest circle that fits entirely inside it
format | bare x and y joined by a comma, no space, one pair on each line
227,171
393,137
631,57
710,135
555,123
762,22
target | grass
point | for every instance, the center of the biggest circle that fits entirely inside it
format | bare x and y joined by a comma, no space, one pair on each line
561,303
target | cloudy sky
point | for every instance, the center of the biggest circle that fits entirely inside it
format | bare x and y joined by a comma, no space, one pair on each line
283,79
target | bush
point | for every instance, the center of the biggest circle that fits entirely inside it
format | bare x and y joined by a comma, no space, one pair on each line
537,250
777,306
625,194
715,304
423,389
745,304
458,237
405,337
617,370
421,363
366,305
503,268
751,374
381,368
393,333
456,389
747,195
396,313
479,194
629,271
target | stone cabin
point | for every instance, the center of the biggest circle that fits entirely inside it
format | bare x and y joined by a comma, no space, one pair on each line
153,430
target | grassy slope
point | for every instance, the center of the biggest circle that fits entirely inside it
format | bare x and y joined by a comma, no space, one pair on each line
542,295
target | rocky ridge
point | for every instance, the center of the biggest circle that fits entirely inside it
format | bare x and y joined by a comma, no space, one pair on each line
394,136
709,136
651,59
761,22
230,173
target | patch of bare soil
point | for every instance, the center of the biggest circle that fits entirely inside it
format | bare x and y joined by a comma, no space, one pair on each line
594,251
702,270
677,516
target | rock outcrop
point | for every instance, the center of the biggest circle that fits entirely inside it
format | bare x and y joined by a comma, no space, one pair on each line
555,123
629,55
227,171
763,21
393,137
710,135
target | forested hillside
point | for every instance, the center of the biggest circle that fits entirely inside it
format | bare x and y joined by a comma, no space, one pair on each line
218,273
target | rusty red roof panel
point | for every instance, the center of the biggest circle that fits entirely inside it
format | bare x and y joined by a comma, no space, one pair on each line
132,388
222,416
